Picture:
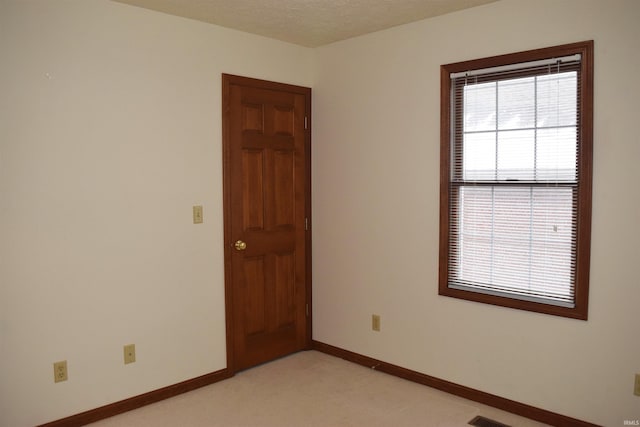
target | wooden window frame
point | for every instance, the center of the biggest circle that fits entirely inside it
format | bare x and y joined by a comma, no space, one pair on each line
585,161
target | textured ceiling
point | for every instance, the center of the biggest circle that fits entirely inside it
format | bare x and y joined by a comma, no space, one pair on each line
309,23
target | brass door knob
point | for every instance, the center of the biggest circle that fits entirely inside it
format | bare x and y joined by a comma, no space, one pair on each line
240,245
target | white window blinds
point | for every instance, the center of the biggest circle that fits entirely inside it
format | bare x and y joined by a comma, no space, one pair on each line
513,207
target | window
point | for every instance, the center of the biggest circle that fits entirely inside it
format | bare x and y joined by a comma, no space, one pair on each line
515,195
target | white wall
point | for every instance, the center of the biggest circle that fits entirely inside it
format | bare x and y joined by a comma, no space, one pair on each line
376,201
110,130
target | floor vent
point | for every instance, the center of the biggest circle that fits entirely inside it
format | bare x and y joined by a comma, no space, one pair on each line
485,422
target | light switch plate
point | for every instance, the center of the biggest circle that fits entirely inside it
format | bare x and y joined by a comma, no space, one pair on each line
375,322
129,353
197,214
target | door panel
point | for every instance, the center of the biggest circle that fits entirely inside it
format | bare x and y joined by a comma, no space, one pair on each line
285,290
254,303
253,190
284,195
267,204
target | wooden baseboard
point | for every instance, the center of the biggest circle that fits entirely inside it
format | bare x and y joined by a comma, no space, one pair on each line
514,407
140,401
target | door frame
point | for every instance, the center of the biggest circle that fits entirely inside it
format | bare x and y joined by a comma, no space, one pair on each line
227,81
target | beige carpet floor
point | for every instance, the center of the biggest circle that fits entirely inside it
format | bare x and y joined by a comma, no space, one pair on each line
312,389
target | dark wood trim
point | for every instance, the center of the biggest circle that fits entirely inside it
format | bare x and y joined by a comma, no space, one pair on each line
524,56
136,402
308,210
228,235
583,250
512,406
445,174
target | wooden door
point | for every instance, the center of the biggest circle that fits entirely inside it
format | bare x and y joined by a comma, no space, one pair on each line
266,144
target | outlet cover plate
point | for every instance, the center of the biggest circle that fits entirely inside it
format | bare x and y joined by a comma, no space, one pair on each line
60,371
